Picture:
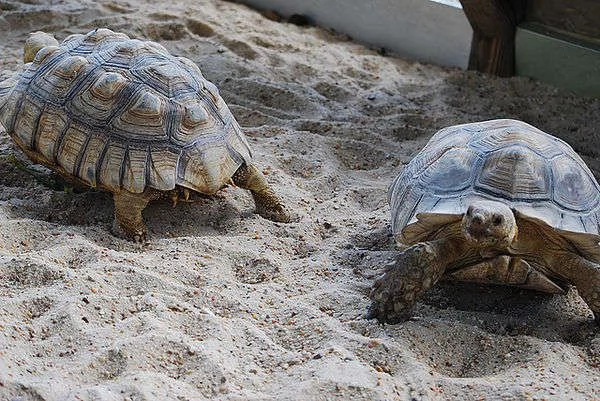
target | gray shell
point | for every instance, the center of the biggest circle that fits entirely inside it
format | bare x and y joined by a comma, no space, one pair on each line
507,160
121,113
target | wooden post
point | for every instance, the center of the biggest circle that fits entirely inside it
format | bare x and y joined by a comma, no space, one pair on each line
493,44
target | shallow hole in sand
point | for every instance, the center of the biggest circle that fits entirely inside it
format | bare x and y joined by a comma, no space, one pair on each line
303,167
358,155
165,31
199,28
292,100
242,49
456,350
255,270
29,273
37,306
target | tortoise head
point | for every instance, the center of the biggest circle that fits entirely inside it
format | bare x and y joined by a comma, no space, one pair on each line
35,42
489,224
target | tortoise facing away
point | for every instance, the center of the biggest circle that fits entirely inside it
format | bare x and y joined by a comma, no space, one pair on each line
497,201
125,116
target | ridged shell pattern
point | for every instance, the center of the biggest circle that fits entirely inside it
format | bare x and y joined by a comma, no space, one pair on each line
506,160
122,113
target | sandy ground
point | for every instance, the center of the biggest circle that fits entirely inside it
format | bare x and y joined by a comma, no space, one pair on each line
222,304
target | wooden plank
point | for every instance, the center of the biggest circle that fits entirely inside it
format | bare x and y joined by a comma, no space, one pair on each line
493,44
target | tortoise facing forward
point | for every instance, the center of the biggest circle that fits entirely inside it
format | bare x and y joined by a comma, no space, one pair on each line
498,201
125,116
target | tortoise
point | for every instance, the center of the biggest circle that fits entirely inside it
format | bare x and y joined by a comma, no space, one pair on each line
497,201
125,116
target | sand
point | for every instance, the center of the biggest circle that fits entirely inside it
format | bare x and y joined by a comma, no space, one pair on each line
223,304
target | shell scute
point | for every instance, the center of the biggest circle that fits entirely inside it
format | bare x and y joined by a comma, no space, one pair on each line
43,54
72,145
56,80
146,110
515,172
206,164
51,125
103,34
217,100
192,66
153,47
100,97
452,171
574,187
195,115
108,85
90,160
196,118
112,163
27,121
119,56
162,168
165,79
135,169
504,134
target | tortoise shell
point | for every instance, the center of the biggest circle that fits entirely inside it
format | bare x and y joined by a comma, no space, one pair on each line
120,113
532,172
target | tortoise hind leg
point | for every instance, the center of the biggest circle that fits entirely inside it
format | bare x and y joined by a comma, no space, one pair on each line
268,204
506,270
129,222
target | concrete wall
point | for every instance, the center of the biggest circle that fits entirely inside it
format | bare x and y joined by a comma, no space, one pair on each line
431,31
557,59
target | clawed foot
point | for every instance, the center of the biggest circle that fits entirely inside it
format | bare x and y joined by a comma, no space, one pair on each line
137,236
392,299
276,213
395,293
268,204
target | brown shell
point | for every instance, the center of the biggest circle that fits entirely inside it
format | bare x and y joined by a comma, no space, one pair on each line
536,174
120,113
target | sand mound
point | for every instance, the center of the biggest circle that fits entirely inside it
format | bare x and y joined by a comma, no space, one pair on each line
222,304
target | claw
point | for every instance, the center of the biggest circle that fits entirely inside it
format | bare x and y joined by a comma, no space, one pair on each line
174,198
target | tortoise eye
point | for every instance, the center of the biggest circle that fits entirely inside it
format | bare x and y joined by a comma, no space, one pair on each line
497,220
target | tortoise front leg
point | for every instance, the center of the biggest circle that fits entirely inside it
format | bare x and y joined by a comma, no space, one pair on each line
129,222
268,204
583,274
415,270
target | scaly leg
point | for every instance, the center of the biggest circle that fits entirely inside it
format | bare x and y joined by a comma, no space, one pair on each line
539,242
506,270
129,222
416,270
268,204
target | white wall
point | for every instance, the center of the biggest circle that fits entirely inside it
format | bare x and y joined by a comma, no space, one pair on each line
432,31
